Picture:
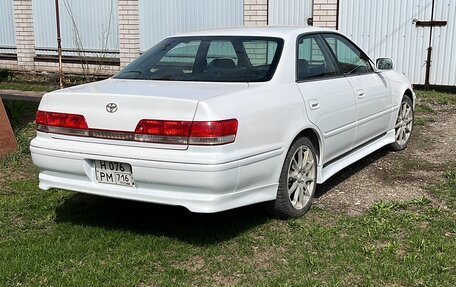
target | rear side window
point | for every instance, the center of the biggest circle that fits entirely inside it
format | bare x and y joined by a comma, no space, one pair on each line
312,60
351,59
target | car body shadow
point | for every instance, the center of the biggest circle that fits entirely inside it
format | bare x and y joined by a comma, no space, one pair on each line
160,220
177,222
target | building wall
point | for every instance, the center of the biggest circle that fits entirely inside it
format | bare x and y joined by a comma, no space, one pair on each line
7,31
25,40
8,64
160,18
325,13
87,27
255,13
128,31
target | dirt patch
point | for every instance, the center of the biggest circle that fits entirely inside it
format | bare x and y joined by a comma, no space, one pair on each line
396,176
194,264
14,171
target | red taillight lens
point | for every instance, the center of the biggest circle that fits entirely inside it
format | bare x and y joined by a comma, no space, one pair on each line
172,132
185,132
41,123
40,118
154,131
214,132
61,123
70,121
164,128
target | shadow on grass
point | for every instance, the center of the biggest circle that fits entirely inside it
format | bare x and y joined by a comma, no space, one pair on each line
159,220
178,222
20,113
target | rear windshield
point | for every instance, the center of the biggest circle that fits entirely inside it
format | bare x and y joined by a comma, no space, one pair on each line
210,59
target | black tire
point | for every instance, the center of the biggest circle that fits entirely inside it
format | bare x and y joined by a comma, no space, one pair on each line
282,206
407,129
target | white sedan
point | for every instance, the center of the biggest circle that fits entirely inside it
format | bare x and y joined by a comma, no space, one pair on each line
214,120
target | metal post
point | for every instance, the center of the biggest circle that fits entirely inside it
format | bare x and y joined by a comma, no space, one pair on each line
59,43
429,52
428,68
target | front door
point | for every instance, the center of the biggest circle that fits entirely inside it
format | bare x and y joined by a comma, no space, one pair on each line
372,90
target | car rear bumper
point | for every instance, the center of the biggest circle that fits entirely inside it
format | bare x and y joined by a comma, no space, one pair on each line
202,188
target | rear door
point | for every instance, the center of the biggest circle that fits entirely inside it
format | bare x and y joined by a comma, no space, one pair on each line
372,90
328,96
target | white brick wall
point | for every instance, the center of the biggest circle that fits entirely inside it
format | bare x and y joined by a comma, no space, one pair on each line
25,40
325,13
71,68
8,64
255,12
128,31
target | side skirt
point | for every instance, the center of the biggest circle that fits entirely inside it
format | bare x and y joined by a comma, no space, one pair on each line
328,170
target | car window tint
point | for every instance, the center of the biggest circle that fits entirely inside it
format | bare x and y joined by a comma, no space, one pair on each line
260,52
221,49
208,58
180,58
351,59
312,62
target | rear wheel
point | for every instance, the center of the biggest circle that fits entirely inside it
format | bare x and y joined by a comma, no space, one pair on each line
297,181
404,124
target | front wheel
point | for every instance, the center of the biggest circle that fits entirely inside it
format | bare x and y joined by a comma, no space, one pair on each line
298,181
404,124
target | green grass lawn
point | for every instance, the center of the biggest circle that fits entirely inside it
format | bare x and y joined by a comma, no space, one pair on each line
59,238
28,87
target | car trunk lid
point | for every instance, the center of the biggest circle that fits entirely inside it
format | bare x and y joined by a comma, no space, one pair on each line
119,105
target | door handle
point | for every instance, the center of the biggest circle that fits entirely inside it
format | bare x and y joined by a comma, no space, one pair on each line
360,93
314,104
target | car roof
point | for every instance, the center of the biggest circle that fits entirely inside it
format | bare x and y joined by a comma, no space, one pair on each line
264,31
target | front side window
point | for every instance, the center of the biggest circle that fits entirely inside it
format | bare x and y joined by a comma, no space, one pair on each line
351,59
211,59
312,62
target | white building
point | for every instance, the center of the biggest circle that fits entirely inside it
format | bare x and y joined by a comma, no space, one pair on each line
111,33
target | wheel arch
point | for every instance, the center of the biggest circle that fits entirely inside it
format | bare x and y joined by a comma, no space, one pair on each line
409,94
313,135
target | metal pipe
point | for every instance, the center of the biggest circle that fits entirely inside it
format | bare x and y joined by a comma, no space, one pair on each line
429,53
59,43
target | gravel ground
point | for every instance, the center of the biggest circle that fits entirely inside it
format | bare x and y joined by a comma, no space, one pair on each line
396,176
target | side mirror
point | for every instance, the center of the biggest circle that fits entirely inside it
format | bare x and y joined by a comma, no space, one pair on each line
384,63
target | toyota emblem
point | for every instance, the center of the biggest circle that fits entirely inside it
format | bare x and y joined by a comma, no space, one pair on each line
111,108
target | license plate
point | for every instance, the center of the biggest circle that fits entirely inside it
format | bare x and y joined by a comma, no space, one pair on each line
114,173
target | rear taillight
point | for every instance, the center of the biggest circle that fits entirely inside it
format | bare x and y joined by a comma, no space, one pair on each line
185,132
153,131
41,123
213,133
173,132
61,123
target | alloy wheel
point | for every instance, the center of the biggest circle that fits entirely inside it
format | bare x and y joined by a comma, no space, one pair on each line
301,177
404,123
